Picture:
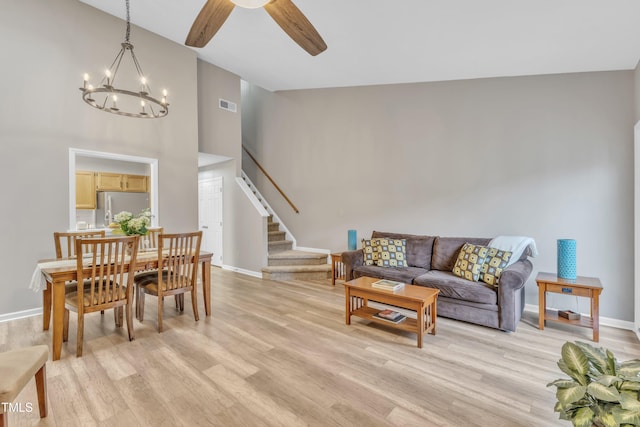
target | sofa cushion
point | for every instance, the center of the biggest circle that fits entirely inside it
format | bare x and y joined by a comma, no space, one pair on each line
496,261
400,274
419,248
446,249
470,261
370,251
391,252
455,287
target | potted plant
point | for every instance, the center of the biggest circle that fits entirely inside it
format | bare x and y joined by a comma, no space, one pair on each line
600,391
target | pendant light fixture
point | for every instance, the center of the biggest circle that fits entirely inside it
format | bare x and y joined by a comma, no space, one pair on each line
137,101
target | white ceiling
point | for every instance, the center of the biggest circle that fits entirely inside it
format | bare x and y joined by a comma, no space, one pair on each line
401,41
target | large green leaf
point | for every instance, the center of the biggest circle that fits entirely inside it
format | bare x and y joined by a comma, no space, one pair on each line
612,363
562,383
583,417
630,385
607,380
596,356
607,420
580,378
601,392
630,368
629,401
623,416
575,358
567,396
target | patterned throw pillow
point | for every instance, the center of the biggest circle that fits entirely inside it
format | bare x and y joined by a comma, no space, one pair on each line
494,263
392,252
370,251
470,261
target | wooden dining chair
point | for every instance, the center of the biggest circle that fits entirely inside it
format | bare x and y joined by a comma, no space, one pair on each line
178,255
65,244
17,367
109,283
66,241
150,240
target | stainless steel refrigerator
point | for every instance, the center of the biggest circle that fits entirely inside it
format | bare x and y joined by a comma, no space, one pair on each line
110,203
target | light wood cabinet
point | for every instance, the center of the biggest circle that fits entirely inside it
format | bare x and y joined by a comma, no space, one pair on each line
106,181
134,183
85,190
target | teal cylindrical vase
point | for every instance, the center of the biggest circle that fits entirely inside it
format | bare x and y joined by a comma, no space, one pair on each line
567,259
352,241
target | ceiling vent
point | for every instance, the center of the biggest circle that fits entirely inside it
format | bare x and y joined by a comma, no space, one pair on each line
227,105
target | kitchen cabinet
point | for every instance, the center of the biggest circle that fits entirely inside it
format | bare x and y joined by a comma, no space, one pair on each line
134,183
106,181
85,190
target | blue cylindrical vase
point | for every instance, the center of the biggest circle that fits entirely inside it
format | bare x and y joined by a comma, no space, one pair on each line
352,242
567,259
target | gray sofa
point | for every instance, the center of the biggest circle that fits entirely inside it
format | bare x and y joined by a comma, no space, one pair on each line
430,261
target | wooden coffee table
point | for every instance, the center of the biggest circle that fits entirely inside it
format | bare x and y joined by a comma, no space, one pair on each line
422,300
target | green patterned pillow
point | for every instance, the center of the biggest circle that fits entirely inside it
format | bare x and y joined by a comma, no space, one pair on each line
494,263
470,261
392,252
370,251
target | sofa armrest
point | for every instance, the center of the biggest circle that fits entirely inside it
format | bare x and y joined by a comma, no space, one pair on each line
511,293
515,276
352,259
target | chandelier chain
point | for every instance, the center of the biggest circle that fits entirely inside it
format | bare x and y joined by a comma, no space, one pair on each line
126,37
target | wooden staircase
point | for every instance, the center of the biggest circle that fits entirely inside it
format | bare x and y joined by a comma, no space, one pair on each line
285,263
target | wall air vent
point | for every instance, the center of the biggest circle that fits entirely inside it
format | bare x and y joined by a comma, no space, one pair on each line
227,105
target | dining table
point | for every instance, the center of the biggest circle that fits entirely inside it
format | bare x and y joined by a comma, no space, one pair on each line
50,276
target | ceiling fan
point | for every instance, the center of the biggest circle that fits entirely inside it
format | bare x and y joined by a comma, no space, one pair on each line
284,12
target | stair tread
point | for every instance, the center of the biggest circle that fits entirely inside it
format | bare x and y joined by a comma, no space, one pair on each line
296,254
296,268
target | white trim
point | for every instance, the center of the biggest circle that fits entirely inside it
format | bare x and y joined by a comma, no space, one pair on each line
252,197
20,314
604,321
242,271
263,202
636,220
153,171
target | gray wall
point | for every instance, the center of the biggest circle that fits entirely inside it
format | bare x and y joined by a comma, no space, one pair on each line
219,130
47,47
544,156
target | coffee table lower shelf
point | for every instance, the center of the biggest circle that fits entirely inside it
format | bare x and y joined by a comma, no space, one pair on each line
409,324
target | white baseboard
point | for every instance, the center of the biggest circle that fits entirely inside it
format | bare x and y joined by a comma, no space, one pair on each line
20,314
242,271
604,321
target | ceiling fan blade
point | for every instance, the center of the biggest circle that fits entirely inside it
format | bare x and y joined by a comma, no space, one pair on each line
208,22
296,25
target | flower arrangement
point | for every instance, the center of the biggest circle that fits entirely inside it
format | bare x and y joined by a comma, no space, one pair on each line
131,225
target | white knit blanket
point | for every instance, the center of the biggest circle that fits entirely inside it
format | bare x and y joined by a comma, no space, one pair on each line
516,245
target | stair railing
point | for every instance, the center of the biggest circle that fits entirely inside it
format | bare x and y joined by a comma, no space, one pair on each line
295,209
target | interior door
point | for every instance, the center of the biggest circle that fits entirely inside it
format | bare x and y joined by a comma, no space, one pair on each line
210,192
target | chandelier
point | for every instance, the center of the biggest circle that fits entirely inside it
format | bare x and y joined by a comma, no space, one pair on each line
125,102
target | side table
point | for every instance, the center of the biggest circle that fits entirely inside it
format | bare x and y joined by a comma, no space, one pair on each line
589,287
337,268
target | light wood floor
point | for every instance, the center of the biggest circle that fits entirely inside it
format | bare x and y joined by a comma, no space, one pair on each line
280,354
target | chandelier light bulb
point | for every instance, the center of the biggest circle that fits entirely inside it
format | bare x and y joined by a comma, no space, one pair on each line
115,98
85,79
90,88
164,92
142,104
107,73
